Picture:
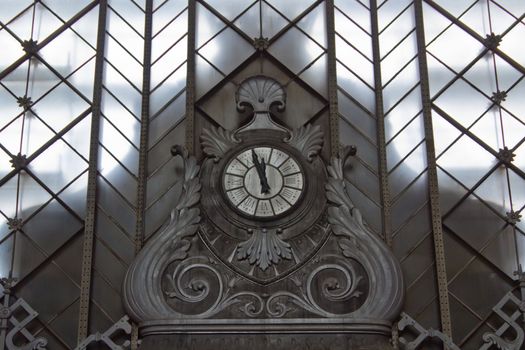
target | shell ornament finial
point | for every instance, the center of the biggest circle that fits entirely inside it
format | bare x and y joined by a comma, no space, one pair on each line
260,92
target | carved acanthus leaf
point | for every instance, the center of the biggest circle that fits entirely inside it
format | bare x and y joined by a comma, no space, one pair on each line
308,140
343,216
185,217
264,248
216,141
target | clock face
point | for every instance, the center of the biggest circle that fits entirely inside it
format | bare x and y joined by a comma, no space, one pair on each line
263,182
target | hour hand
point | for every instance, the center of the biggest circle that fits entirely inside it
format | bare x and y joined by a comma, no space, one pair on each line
261,171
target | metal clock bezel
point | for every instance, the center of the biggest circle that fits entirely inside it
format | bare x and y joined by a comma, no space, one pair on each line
263,144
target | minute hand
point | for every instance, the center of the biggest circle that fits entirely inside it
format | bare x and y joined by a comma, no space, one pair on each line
261,171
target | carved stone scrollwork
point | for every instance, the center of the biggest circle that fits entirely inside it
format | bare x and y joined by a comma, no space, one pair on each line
358,242
143,296
200,290
11,326
328,283
107,337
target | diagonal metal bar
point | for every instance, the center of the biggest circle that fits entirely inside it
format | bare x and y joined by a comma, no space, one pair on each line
87,246
433,187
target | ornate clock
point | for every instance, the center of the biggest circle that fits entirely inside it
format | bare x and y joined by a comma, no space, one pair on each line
265,186
264,237
263,182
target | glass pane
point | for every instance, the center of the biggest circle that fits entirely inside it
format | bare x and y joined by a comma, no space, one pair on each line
355,87
467,161
169,36
355,61
170,88
6,251
452,101
11,8
404,143
11,49
273,22
250,22
169,10
121,118
227,50
295,50
167,64
231,8
394,33
316,75
389,10
353,34
118,145
60,107
356,11
314,24
32,196
397,59
66,9
291,9
495,192
452,41
58,166
51,227
206,76
207,25
126,64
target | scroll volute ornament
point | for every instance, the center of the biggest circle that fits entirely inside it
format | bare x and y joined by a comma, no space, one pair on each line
142,291
356,241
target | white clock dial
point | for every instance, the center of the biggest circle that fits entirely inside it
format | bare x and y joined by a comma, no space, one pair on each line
263,182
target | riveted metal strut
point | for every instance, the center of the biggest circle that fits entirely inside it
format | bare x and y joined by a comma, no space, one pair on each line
89,228
332,79
433,187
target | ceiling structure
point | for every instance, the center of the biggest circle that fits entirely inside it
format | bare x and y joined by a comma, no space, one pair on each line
93,94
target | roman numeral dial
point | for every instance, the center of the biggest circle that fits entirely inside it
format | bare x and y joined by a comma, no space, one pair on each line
263,182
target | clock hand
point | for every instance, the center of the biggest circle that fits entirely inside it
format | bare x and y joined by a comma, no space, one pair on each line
261,171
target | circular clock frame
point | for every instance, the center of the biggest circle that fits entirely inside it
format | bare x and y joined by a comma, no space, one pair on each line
242,186
220,213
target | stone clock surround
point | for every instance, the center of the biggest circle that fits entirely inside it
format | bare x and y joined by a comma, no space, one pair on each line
315,277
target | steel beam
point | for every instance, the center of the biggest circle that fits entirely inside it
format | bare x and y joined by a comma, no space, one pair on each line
89,228
433,187
190,78
144,129
384,191
332,79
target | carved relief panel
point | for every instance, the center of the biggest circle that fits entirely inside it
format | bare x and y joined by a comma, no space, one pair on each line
264,232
